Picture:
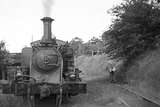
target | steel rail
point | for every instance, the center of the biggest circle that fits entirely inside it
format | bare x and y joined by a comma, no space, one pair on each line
154,100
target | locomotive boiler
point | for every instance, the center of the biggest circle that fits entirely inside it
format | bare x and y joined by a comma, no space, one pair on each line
45,70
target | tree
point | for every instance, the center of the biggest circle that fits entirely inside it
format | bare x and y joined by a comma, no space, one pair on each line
76,44
3,58
135,30
95,44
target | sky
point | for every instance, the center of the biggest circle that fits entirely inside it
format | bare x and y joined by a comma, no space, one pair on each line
20,20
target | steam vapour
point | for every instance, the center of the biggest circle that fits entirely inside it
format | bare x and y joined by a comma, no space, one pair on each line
47,7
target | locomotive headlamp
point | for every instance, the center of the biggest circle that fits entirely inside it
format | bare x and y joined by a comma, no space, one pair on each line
19,72
72,76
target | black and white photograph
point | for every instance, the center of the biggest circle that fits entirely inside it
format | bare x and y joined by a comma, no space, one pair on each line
79,53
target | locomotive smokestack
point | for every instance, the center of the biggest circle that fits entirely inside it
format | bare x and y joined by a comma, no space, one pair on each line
47,21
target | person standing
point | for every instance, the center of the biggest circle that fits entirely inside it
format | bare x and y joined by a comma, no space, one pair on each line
112,74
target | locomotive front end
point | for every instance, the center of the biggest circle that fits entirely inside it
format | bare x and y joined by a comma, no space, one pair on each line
46,60
46,69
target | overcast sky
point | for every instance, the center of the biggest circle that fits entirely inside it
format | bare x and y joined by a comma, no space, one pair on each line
20,20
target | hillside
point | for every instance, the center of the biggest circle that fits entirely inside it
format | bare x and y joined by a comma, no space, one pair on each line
145,73
93,67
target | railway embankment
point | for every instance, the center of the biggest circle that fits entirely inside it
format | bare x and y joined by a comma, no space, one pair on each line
146,96
143,76
92,67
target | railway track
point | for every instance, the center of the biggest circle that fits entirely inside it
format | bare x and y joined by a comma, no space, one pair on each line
152,99
100,94
123,102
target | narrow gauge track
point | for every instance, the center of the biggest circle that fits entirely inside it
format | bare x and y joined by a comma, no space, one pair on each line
100,94
152,99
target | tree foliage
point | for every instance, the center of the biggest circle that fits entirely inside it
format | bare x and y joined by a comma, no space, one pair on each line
135,30
3,52
76,45
3,57
81,48
95,44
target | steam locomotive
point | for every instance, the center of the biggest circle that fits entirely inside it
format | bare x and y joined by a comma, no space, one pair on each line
44,70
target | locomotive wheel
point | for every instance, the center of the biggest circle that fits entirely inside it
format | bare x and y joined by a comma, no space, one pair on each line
58,100
44,102
66,98
35,101
28,101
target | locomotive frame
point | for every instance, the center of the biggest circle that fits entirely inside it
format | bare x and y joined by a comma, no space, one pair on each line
56,78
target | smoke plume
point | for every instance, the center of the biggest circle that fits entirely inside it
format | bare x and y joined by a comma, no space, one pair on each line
47,7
